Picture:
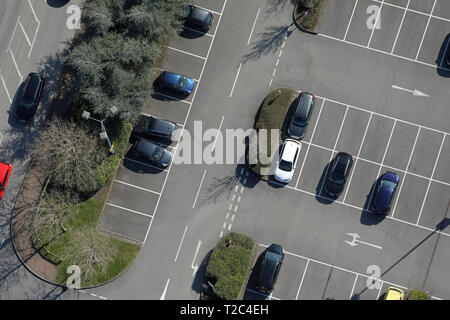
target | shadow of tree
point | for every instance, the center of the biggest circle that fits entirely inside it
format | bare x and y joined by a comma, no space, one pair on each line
272,6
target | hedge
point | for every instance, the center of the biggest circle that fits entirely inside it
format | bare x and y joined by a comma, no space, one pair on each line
229,265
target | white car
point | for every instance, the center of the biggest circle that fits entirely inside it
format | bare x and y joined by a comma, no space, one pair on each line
287,160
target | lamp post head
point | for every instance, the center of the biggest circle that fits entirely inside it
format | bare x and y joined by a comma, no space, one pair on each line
86,115
103,135
113,110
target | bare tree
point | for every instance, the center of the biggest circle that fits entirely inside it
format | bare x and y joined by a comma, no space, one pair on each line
70,153
94,251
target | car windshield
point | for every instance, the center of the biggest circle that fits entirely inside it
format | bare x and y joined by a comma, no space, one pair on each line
182,83
285,165
208,19
337,179
387,184
157,154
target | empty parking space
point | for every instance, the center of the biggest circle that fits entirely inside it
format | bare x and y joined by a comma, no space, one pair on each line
166,109
339,285
140,175
424,6
409,39
315,282
377,137
364,289
358,30
435,206
337,15
289,277
192,42
124,223
401,145
215,6
390,20
410,198
435,36
136,200
316,164
425,152
328,127
352,132
362,180
442,171
182,62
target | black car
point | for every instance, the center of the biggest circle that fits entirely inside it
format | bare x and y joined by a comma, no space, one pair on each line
152,152
28,98
337,174
384,193
447,56
269,268
299,122
199,17
151,127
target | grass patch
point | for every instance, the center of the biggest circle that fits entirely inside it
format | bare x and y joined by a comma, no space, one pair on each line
418,295
307,18
272,115
229,264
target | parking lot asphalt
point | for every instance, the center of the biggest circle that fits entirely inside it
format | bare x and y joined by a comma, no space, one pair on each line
365,81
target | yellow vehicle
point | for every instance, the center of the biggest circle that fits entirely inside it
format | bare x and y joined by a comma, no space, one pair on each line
394,294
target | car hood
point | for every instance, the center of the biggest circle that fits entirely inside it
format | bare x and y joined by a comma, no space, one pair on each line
334,188
296,131
199,14
282,176
166,158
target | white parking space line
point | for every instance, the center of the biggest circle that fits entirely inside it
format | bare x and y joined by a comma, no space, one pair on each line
34,39
186,118
429,182
15,64
215,12
376,23
235,80
145,164
133,186
425,31
26,36
199,188
353,288
400,27
356,161
6,88
406,171
218,132
1,139
126,209
351,18
253,28
379,290
32,9
301,282
413,11
185,52
14,32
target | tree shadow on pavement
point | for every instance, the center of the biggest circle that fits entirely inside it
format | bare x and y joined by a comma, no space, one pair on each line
268,42
273,6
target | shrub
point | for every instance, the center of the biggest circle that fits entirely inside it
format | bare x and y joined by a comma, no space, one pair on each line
418,295
229,264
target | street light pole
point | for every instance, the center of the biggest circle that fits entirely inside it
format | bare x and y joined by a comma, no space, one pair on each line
103,134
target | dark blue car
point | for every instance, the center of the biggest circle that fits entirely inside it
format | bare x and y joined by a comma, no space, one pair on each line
177,82
384,193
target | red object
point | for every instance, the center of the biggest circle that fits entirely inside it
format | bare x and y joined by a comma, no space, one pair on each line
5,172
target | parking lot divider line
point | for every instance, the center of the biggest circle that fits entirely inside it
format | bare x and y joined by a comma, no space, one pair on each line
199,188
357,157
406,172
379,290
14,32
429,182
34,13
414,11
26,36
185,52
181,242
376,23
215,12
235,80
350,21
301,281
133,186
253,28
185,119
353,288
15,63
400,27
173,98
6,88
425,31
126,209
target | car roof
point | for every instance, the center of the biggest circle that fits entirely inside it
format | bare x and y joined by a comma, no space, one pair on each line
146,147
34,80
343,160
290,147
304,104
171,77
383,198
272,259
160,125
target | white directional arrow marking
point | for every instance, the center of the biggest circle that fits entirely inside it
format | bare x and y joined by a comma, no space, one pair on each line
195,267
415,92
355,241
